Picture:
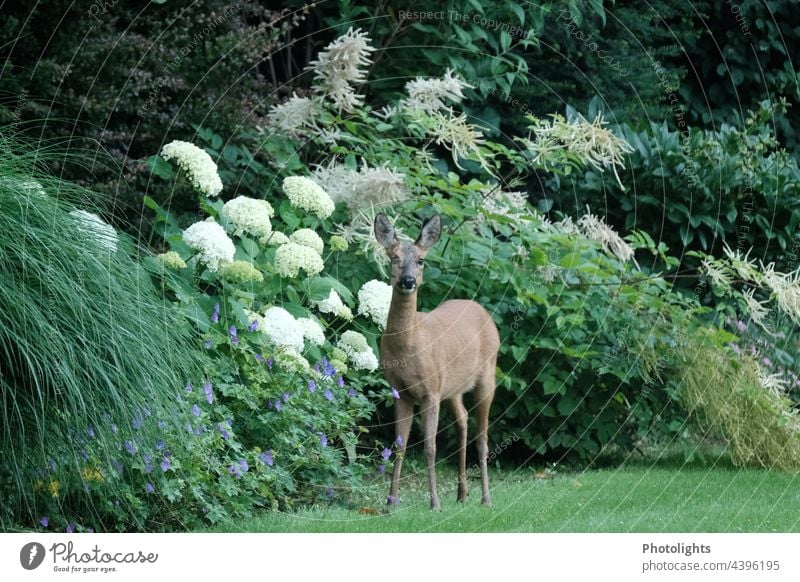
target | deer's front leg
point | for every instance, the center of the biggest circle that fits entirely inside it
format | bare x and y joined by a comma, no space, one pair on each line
403,415
430,418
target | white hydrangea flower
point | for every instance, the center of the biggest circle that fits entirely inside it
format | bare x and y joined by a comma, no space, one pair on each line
341,65
249,215
308,238
374,299
333,304
295,116
211,243
97,228
252,316
365,360
595,228
198,165
428,95
307,195
358,351
277,239
290,359
291,257
312,330
283,329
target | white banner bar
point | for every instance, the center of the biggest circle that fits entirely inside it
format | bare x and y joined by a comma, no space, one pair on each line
400,557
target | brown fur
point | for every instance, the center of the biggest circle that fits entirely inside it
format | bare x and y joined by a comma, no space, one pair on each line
436,356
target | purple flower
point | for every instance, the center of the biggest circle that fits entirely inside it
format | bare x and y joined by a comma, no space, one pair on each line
328,395
244,466
323,440
399,441
209,393
741,326
137,423
253,326
329,492
234,336
71,527
269,362
278,405
188,387
148,468
162,425
286,396
260,358
327,369
767,362
215,315
207,344
44,521
340,382
196,410
149,488
223,432
90,431
165,464
395,393
312,386
160,444
386,453
382,469
130,446
351,393
234,470
266,458
391,499
736,349
85,454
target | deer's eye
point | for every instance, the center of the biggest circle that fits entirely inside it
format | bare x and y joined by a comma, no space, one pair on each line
419,262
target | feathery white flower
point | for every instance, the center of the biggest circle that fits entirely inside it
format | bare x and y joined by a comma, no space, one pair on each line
374,299
458,136
505,203
200,169
566,226
307,195
340,66
102,232
428,95
249,215
334,304
757,309
595,228
282,329
211,243
744,267
308,238
362,187
785,288
294,117
774,383
717,273
312,330
548,273
291,257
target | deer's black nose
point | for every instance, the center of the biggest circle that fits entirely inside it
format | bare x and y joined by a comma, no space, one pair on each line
408,283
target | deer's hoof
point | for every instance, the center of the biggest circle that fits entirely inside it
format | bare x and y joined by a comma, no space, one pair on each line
486,501
435,505
392,500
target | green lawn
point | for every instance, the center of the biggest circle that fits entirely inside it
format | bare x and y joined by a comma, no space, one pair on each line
637,497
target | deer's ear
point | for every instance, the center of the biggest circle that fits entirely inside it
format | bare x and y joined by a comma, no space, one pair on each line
431,229
384,231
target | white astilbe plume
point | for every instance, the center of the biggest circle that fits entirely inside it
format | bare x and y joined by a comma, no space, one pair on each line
744,267
595,228
458,136
566,226
340,66
717,273
785,288
212,244
374,299
200,169
590,142
363,187
757,309
294,117
774,383
102,232
505,203
429,95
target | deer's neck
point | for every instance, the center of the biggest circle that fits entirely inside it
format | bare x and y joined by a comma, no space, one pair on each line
401,325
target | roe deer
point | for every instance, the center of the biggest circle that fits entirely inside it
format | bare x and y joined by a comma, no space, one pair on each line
445,353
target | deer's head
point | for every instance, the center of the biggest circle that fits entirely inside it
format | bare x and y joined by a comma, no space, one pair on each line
408,259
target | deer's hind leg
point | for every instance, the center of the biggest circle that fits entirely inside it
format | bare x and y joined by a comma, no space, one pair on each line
460,413
484,394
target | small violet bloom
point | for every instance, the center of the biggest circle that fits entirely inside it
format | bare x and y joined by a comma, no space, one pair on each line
260,358
266,458
215,315
149,488
244,466
269,362
160,444
382,469
44,521
70,527
312,386
386,453
196,410
351,393
130,446
209,393
253,326
395,393
399,441
165,464
234,335
207,344
340,382
323,440
328,395
188,387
